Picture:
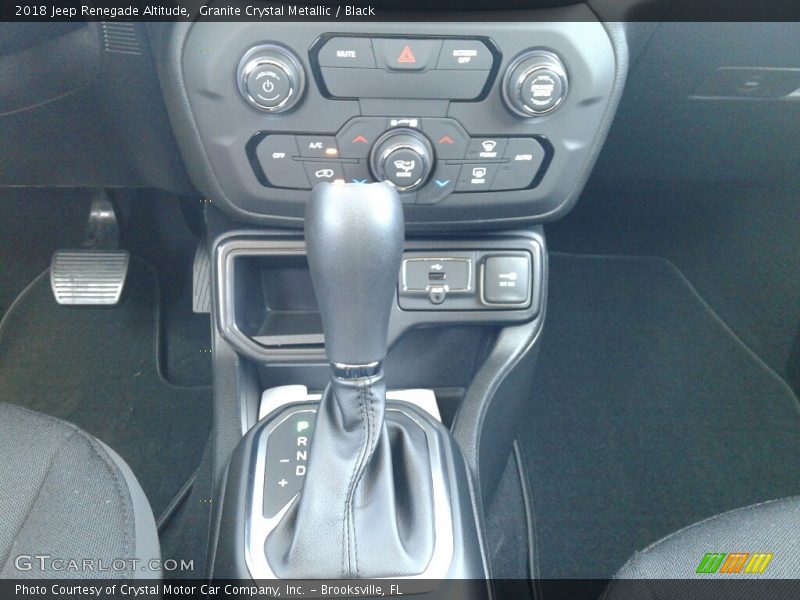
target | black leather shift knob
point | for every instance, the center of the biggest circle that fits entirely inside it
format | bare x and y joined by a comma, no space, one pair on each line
354,241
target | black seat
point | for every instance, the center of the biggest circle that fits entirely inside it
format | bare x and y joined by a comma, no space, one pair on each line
68,497
761,541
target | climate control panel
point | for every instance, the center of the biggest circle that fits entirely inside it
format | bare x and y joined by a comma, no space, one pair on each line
426,158
475,123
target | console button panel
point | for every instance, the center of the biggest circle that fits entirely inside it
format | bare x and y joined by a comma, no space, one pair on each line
404,67
462,163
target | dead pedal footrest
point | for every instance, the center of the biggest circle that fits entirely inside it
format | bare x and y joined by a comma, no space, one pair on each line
88,277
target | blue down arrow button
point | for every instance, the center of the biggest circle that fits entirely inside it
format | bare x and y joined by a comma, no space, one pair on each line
441,185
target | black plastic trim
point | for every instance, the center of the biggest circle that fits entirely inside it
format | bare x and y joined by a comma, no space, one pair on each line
316,70
254,243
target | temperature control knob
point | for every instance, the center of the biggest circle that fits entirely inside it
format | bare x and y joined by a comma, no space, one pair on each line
535,83
271,78
403,158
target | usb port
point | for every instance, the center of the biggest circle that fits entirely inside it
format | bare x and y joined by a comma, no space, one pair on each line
436,276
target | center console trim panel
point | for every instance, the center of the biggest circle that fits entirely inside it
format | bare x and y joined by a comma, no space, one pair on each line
254,243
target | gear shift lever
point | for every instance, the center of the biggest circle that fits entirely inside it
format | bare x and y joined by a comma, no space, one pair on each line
354,240
366,507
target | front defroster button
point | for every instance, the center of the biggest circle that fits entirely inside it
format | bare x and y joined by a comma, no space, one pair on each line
486,148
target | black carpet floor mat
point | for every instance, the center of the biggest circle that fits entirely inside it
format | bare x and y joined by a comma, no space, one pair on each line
647,415
34,222
97,367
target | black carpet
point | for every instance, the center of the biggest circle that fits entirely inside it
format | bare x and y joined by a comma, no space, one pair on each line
647,415
34,222
506,526
97,367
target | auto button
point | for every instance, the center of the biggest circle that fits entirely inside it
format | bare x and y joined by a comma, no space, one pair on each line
525,156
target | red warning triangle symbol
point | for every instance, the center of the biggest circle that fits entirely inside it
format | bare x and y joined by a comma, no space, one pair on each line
407,56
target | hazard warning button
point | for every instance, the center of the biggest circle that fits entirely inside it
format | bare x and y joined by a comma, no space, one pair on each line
401,54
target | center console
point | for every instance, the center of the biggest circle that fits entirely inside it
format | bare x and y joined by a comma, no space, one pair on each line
378,269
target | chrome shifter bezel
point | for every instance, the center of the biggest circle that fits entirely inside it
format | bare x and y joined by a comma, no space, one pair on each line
258,527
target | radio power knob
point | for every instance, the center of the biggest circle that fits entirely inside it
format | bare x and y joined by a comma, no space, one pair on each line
270,78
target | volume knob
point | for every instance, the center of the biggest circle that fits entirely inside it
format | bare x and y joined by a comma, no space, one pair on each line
270,78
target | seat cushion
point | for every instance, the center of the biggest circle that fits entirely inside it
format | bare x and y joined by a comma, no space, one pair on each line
66,496
705,560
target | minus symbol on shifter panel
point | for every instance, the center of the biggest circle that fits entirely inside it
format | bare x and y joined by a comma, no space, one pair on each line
284,460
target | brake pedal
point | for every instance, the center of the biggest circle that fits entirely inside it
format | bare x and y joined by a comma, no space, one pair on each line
95,274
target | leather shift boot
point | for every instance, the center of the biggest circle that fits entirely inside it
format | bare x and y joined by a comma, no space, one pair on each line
366,508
